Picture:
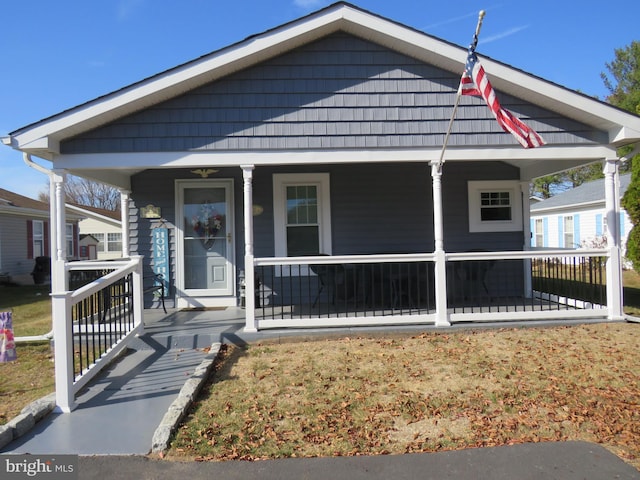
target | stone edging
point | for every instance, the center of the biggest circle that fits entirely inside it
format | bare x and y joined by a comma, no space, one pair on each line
179,407
26,420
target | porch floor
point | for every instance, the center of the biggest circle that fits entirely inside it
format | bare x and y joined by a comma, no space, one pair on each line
120,410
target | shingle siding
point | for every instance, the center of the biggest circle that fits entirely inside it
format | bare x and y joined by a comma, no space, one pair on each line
338,92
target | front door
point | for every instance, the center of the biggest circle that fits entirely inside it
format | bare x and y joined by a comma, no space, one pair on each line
205,244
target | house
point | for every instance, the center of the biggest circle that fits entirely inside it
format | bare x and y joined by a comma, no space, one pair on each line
24,235
577,217
105,226
298,173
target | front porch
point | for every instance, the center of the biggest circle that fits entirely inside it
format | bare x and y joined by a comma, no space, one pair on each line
331,291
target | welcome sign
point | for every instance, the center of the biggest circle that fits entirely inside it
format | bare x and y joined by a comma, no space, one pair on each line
161,255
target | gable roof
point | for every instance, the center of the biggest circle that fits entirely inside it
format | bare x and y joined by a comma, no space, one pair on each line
16,204
43,138
11,202
590,193
111,216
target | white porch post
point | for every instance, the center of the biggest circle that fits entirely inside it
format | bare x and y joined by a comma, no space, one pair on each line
60,298
249,274
124,216
526,227
442,316
614,264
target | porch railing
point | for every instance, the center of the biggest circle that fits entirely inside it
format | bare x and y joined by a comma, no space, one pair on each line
345,290
401,289
533,285
94,321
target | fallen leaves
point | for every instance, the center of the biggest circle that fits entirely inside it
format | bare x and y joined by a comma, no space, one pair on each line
427,393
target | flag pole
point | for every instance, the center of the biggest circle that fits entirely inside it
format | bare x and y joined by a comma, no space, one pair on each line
472,48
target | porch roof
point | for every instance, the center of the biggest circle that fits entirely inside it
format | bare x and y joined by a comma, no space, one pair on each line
43,138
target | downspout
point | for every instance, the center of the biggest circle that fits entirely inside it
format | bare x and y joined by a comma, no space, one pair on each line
52,239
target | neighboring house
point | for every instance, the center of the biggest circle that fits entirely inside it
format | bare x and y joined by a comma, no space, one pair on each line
24,235
105,226
577,218
322,136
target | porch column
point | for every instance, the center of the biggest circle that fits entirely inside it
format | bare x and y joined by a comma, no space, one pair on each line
249,274
60,297
59,232
614,264
526,228
442,316
124,216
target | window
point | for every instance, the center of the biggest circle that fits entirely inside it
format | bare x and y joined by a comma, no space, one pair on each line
100,238
69,239
539,226
302,215
114,242
494,206
568,232
38,238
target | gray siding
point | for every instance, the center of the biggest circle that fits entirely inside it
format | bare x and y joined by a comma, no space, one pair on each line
13,241
338,92
379,208
457,237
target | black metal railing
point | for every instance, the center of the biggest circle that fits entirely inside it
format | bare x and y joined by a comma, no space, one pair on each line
101,319
319,290
572,281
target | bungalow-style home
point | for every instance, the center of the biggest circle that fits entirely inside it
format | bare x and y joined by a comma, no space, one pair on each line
577,218
105,226
300,174
24,236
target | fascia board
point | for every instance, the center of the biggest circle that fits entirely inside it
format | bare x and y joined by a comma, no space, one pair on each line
89,214
237,158
571,207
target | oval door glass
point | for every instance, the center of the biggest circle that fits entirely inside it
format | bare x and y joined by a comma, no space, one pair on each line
205,238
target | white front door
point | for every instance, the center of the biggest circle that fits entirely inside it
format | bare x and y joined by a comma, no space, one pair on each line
205,243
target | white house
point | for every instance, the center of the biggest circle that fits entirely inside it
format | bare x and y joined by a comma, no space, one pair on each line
577,218
103,225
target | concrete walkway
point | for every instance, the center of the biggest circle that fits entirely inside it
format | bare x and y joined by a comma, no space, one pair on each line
113,426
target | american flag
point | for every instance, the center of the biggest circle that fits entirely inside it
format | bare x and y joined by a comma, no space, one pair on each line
475,82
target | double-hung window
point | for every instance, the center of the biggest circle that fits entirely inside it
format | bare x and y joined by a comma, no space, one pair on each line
568,232
494,206
38,238
302,216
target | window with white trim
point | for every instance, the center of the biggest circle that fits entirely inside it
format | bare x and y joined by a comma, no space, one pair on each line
302,214
109,242
69,239
38,238
494,206
568,231
539,227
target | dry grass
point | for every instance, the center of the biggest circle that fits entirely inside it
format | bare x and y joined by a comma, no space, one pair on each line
31,376
432,392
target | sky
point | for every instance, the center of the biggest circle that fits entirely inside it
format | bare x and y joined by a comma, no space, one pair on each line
57,55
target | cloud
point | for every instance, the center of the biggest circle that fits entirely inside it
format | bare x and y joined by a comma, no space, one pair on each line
450,20
500,36
308,3
127,8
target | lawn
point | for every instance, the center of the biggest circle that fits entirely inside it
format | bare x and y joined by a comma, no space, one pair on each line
430,392
31,376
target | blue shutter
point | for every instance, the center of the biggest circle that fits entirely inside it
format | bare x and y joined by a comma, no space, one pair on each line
545,232
621,224
599,225
560,232
577,241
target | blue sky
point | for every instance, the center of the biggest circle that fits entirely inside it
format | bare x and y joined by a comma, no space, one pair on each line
56,55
